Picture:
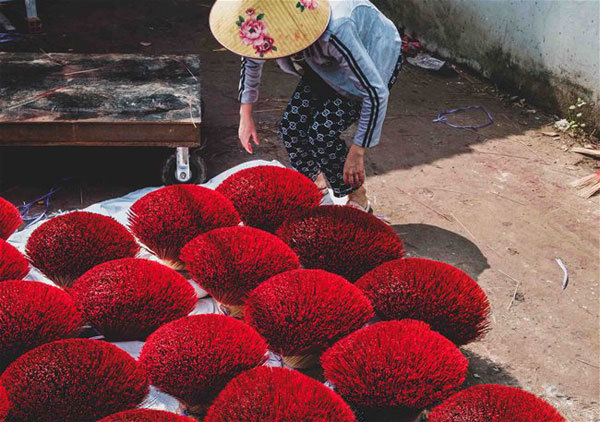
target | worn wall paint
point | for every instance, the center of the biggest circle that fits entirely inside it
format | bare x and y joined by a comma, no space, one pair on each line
548,50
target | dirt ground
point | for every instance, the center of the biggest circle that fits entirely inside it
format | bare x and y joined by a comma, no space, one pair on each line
495,203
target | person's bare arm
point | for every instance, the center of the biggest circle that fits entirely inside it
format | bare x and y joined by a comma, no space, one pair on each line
354,169
248,94
345,45
247,131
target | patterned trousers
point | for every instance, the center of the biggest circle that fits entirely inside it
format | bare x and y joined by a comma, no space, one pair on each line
311,127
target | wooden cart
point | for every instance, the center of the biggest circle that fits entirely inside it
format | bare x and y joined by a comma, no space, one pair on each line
105,100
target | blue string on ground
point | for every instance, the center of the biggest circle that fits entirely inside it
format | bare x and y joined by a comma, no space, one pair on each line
25,209
441,118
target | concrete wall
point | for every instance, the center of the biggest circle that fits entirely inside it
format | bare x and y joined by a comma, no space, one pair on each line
547,50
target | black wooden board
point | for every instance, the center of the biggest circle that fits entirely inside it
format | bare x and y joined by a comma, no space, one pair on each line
126,99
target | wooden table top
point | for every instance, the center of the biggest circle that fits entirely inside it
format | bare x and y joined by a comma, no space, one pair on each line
37,87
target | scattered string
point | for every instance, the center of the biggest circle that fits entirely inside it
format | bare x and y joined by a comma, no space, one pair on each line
8,37
26,208
441,118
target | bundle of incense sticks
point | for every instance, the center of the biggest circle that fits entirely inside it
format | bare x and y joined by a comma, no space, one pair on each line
588,186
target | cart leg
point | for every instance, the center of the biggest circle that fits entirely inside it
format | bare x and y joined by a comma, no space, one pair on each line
182,170
33,21
184,166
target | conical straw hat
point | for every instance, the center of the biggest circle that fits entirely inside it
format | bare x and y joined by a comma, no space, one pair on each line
268,29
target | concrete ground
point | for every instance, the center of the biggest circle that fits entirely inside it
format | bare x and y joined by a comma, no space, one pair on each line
495,203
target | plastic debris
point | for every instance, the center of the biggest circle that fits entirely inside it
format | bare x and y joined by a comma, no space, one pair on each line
562,266
425,61
410,47
8,37
562,124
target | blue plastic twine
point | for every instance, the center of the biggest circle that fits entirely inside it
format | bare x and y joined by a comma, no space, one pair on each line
24,209
441,118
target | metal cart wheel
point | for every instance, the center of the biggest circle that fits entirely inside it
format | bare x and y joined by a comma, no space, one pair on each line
184,167
33,21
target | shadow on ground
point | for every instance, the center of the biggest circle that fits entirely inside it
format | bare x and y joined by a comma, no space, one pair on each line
426,241
485,371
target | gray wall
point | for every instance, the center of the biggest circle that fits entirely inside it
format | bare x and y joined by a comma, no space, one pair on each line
547,50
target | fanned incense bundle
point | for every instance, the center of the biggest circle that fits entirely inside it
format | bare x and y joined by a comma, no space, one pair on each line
31,314
265,196
128,299
303,312
13,265
494,403
395,365
73,380
10,219
4,404
230,262
194,357
277,395
341,240
443,296
66,246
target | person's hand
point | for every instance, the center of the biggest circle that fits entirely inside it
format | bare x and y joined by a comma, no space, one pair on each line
354,169
247,131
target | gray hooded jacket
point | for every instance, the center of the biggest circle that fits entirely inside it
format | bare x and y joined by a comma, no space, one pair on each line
356,56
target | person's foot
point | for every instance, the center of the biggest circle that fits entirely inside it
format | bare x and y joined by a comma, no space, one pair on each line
321,183
358,199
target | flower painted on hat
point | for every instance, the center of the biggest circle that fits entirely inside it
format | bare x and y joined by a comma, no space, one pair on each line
307,4
265,46
253,31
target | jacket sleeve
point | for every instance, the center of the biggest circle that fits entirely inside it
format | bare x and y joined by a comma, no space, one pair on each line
346,47
250,80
